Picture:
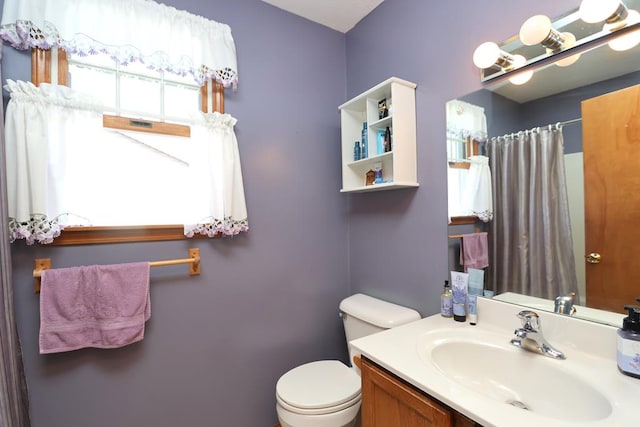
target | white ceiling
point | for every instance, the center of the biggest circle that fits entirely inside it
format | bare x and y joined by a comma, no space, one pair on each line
340,15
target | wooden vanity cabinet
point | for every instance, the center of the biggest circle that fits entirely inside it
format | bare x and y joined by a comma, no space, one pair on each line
388,401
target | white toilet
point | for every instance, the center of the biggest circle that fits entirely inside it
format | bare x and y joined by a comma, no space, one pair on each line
326,393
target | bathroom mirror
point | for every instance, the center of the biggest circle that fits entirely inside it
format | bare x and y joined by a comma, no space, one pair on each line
553,95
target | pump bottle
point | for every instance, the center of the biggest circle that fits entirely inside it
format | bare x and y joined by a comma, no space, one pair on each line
446,301
628,342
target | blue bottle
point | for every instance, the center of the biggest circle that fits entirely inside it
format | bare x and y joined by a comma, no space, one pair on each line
356,151
365,142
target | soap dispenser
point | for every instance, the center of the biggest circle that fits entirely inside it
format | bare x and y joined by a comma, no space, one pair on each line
628,342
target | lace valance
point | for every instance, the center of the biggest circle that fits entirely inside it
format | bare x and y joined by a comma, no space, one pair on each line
466,120
159,36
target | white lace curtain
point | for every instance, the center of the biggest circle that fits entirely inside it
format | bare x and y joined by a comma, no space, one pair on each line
477,198
64,168
464,120
159,36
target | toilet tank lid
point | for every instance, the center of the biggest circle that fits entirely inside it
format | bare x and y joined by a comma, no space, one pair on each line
377,312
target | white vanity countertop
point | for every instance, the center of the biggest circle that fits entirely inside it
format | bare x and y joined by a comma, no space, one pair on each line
589,347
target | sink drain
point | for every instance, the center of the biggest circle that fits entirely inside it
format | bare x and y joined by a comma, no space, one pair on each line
518,404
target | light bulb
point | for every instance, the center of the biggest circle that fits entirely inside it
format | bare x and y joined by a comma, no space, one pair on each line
521,77
593,11
626,41
486,55
569,41
629,40
535,30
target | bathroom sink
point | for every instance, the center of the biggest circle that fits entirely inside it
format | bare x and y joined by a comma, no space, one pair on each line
487,364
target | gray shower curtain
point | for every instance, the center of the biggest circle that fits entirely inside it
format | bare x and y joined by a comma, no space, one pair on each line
14,402
530,240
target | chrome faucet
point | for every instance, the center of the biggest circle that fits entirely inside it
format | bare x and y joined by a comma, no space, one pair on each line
530,338
564,304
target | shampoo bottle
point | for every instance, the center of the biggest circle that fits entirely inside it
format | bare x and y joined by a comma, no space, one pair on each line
365,142
628,342
446,301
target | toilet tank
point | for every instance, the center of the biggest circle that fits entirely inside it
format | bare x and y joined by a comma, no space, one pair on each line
363,315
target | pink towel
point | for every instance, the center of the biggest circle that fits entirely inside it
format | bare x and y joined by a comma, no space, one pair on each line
474,252
103,306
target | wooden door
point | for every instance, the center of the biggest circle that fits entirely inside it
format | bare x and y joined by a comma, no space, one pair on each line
611,145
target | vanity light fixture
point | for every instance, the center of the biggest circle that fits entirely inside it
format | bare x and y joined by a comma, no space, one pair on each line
538,30
593,11
488,54
616,16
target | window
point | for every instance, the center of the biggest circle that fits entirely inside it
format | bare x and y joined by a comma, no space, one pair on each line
468,175
93,75
133,90
47,183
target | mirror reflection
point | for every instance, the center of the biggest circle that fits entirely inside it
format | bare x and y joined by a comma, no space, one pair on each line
578,126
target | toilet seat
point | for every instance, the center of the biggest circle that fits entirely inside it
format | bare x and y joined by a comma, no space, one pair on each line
319,387
318,411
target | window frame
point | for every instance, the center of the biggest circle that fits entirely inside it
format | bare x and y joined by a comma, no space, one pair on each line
42,63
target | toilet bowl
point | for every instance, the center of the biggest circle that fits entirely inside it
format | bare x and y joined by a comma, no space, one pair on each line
326,393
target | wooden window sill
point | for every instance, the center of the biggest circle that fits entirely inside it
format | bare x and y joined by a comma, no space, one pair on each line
459,165
122,234
462,220
143,125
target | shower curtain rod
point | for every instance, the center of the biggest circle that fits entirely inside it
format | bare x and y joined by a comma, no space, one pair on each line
568,122
537,128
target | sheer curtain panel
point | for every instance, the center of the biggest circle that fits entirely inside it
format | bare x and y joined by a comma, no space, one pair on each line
477,198
159,36
65,169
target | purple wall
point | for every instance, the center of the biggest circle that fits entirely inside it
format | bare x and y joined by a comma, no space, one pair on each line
267,301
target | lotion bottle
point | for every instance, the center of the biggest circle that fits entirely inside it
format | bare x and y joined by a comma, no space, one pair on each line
460,283
628,342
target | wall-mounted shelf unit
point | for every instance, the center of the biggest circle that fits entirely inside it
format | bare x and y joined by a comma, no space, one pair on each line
399,168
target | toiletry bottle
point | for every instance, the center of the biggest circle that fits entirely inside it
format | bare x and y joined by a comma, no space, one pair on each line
378,173
459,286
446,301
628,342
380,142
387,139
365,142
356,150
473,309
